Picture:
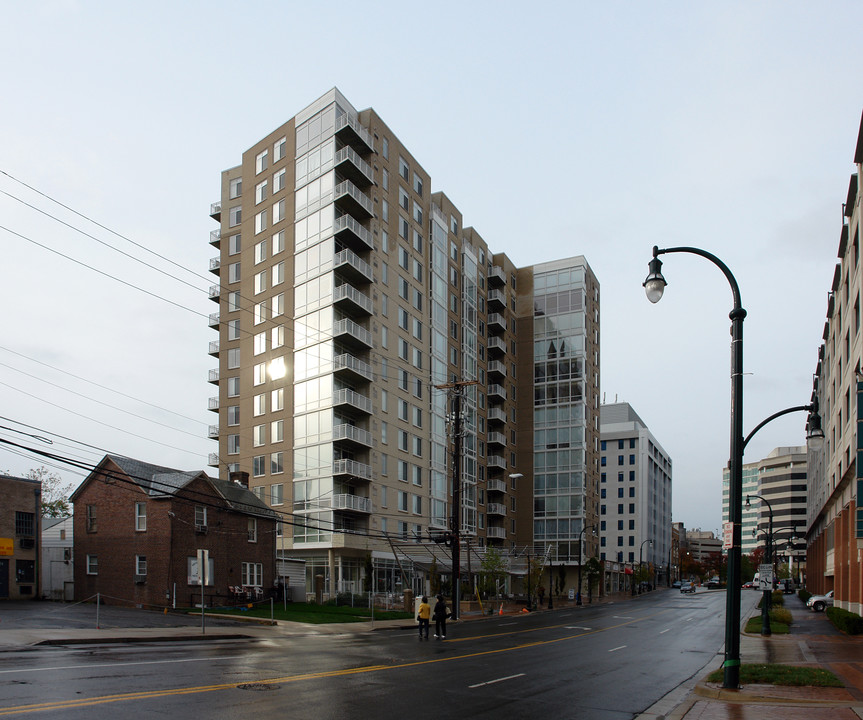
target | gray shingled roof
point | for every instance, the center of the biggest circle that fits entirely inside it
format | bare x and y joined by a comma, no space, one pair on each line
159,481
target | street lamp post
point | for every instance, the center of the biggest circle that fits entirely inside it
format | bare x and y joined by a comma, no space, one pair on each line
654,286
550,583
765,602
640,556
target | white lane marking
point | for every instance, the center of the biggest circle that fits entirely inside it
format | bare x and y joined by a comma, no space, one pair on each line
576,627
617,648
126,664
623,617
504,624
492,682
664,631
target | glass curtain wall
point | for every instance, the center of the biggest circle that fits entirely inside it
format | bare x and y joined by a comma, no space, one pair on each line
559,410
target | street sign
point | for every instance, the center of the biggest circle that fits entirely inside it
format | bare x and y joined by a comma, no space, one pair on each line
727,535
765,577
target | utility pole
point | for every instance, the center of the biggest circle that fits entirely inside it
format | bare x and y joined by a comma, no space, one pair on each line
456,390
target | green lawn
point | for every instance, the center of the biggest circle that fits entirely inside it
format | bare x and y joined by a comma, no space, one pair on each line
756,674
310,613
780,622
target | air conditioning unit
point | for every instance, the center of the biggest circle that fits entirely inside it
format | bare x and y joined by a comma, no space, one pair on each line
26,543
201,529
140,579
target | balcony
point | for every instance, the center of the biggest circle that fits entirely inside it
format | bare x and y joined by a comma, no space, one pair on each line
496,485
498,392
496,323
349,130
349,332
213,460
215,291
215,265
353,367
216,237
496,533
214,320
497,368
352,399
357,470
216,211
496,461
348,231
496,509
214,348
496,345
213,432
353,167
213,404
213,376
352,267
353,200
348,295
496,299
352,503
496,277
496,438
496,415
352,434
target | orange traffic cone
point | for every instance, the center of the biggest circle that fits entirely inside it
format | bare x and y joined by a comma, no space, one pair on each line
500,612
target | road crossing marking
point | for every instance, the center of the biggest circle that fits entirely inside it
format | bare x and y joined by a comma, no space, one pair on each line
664,631
492,682
617,648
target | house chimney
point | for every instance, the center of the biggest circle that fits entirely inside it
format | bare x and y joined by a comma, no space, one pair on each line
241,478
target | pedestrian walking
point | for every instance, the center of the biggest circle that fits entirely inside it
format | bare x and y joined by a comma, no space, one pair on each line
440,616
423,615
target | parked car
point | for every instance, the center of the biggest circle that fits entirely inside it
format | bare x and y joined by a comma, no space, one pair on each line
819,602
749,584
713,583
676,584
687,587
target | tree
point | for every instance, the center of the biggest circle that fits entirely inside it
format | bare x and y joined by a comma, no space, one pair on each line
55,494
493,570
593,570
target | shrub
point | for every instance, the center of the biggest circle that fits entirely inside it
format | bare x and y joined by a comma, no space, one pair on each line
804,595
776,599
845,621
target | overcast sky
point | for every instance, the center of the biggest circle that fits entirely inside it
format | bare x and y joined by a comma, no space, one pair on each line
558,129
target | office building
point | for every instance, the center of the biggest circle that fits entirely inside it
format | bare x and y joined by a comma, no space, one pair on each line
356,312
635,493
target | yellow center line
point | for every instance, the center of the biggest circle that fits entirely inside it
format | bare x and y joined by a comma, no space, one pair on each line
149,694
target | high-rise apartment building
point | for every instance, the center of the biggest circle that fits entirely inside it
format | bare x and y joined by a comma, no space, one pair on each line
353,306
635,492
780,478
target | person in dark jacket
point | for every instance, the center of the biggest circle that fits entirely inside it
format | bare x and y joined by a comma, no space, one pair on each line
440,616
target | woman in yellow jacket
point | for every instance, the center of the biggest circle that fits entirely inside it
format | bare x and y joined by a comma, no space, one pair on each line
424,615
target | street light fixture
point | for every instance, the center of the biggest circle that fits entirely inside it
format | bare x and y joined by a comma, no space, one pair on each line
654,287
640,557
765,602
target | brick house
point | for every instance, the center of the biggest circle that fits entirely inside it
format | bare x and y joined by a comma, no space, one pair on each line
20,527
138,529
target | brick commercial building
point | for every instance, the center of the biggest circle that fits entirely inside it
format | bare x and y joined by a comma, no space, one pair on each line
20,517
138,529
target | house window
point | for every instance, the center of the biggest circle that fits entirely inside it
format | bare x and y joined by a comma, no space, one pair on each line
253,530
91,518
276,494
252,574
140,517
92,565
24,523
200,516
259,465
276,463
140,564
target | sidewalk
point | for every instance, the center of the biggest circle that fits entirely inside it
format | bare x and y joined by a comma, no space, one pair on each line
813,642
